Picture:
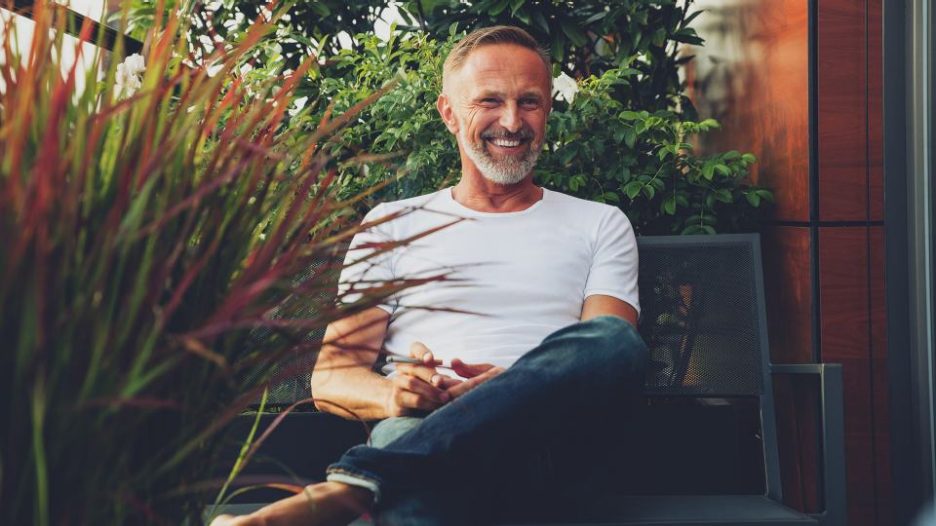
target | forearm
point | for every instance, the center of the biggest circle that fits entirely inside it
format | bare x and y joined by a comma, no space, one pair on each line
343,380
352,393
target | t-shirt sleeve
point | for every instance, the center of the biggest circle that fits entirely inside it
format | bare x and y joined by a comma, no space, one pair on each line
365,266
614,264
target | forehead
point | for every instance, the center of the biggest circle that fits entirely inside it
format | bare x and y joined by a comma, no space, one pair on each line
503,67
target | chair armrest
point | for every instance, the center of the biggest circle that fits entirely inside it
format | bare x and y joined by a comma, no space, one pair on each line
833,435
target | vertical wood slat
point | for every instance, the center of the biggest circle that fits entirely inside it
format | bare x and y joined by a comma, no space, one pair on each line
844,306
884,490
842,108
797,408
875,111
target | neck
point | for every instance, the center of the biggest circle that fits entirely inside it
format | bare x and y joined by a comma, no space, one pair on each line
477,193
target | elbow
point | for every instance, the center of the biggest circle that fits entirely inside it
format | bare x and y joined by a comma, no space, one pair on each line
319,392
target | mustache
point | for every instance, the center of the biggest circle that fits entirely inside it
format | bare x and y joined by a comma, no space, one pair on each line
524,134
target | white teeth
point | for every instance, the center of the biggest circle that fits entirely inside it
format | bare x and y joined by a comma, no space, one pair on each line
505,143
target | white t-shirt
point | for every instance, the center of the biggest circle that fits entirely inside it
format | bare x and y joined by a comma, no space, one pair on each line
513,278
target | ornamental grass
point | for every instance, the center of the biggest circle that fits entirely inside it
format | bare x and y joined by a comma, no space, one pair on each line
153,223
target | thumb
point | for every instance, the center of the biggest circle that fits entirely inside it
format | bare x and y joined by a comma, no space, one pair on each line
419,350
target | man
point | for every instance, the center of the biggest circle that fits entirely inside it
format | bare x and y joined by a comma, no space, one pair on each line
535,330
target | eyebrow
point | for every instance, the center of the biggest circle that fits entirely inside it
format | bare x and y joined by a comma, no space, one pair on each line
525,95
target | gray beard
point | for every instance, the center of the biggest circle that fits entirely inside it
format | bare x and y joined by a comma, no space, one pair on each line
509,170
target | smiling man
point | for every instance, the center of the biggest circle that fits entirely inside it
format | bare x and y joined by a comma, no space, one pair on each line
522,356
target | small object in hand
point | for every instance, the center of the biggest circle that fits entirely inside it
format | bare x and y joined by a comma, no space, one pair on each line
396,358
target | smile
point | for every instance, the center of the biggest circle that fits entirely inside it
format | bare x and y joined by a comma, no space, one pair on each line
506,143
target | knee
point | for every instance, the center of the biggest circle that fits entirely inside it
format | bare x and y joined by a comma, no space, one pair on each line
386,431
618,346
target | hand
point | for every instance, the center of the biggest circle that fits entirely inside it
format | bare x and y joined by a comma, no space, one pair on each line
477,374
418,387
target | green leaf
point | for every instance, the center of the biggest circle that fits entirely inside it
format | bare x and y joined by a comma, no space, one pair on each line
753,199
630,137
632,189
576,36
766,195
708,170
669,206
596,17
498,8
540,21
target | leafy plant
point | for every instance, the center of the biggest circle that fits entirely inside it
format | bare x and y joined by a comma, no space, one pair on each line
587,38
628,139
584,37
597,147
644,162
147,237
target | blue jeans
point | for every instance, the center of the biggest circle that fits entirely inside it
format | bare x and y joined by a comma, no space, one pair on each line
514,442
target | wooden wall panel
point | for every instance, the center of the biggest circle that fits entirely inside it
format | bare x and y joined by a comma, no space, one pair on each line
845,339
843,282
797,408
880,380
788,281
875,111
843,180
753,76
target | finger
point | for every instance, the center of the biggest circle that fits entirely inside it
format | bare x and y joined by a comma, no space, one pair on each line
415,385
423,372
468,385
445,382
411,400
469,370
419,350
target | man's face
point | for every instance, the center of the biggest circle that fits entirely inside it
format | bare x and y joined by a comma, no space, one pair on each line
496,104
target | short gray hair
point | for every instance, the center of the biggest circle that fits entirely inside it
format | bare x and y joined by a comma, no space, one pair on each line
490,36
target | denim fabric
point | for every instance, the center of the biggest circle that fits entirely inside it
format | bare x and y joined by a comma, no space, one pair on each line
386,431
519,440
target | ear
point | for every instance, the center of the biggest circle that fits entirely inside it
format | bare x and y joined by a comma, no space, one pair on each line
447,113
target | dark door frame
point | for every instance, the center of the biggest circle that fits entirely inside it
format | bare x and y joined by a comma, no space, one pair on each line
908,190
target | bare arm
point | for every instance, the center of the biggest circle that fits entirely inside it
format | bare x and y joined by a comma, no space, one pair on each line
343,380
601,305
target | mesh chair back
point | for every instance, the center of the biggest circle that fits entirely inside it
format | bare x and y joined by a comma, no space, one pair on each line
702,315
299,365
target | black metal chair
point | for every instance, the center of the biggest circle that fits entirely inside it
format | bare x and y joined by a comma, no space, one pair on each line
707,439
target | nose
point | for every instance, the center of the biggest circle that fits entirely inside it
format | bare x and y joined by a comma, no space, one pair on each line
510,117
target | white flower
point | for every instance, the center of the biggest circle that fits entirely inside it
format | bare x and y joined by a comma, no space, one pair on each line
130,75
564,88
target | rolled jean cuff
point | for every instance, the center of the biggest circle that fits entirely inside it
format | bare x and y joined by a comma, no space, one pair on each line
354,479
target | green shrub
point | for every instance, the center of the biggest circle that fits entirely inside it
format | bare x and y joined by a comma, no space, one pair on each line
627,139
597,148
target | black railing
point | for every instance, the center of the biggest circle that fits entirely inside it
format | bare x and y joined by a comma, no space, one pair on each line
102,35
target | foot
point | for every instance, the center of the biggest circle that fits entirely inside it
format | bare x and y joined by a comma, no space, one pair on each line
324,504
